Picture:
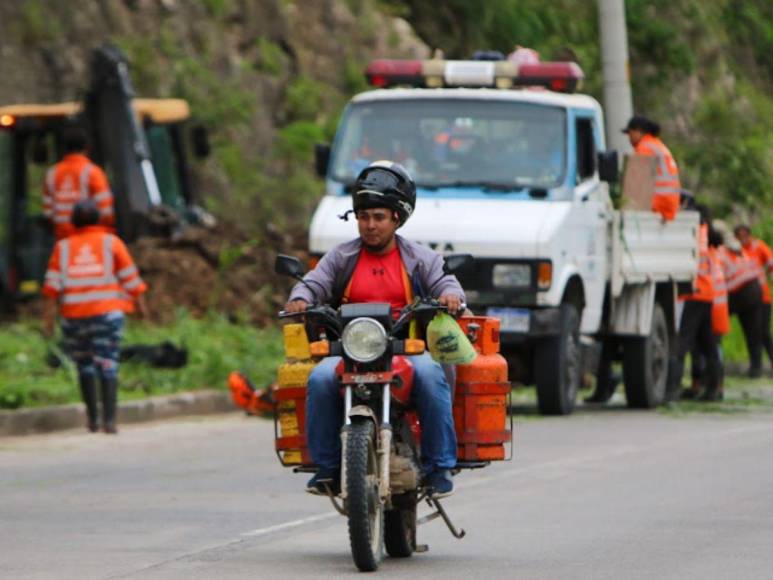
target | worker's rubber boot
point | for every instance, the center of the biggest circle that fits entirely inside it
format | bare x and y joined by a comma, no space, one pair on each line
109,404
88,384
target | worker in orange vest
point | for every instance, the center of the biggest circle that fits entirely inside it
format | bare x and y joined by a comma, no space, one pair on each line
760,252
644,137
695,326
745,299
720,320
73,179
93,280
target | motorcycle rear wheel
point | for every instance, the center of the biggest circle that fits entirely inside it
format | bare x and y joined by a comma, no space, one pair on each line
400,530
364,507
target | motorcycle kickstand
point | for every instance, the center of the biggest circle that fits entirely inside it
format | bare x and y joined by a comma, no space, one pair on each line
441,512
338,507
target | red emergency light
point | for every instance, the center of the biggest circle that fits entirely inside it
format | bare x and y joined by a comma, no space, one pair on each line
385,72
557,76
562,77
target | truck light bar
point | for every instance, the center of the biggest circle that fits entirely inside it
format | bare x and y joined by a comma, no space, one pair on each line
557,76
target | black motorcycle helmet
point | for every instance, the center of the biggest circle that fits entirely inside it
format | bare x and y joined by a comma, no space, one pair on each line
85,213
385,184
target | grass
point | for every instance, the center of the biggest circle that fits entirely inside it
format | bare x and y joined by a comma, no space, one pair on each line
741,396
215,346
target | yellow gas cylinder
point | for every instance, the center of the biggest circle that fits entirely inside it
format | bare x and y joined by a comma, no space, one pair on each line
292,378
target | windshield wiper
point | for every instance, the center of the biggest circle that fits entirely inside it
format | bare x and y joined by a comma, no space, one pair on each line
487,186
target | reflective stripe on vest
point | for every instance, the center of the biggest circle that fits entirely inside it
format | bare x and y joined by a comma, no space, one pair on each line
94,296
107,277
667,183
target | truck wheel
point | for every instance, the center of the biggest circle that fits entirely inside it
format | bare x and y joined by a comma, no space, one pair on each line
557,366
645,364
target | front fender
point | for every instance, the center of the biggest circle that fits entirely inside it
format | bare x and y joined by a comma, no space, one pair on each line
363,411
553,296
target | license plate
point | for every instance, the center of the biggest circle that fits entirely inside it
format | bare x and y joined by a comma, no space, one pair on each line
511,319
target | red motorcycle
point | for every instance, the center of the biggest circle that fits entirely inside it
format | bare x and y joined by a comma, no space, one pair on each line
381,484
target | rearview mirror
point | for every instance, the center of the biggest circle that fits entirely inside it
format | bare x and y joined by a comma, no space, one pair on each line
456,263
321,158
288,266
608,166
200,141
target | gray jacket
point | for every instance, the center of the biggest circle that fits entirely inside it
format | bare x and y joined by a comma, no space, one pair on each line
331,276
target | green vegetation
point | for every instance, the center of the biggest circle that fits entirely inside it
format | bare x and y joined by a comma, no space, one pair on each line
741,396
35,24
215,346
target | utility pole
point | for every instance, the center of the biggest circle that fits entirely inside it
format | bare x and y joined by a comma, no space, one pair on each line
617,86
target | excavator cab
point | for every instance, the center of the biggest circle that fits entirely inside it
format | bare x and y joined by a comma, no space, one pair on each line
141,144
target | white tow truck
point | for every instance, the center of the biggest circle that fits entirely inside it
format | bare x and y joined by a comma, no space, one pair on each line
513,169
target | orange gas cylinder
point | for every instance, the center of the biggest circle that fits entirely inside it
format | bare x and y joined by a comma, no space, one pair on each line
480,401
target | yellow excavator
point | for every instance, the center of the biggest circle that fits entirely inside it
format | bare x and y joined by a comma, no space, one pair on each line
144,145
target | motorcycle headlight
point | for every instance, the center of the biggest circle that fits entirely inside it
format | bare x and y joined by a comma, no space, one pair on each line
511,275
364,340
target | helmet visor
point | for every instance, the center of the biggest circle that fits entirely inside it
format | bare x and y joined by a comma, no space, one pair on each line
379,182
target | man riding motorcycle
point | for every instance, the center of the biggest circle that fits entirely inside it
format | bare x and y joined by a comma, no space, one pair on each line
381,266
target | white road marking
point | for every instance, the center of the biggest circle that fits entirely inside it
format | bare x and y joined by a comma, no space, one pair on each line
291,524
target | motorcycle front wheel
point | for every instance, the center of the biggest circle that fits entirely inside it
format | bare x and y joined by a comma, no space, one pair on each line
364,507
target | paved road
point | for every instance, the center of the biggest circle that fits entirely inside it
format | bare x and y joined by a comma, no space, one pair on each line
606,494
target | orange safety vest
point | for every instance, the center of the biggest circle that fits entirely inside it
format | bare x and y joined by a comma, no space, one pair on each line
761,253
738,269
703,284
71,180
92,273
720,312
665,197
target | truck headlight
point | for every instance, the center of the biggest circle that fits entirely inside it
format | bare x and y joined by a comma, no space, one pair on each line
364,340
511,275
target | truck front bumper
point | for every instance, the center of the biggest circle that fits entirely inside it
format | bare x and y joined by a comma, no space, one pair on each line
543,323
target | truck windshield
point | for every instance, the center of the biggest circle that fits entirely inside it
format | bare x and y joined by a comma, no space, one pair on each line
487,144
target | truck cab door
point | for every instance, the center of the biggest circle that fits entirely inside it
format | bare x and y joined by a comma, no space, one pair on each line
591,217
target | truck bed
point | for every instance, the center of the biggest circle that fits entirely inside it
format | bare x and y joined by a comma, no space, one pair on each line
646,250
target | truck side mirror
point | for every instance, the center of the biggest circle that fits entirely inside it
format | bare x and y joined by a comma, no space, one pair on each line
200,141
608,167
456,263
288,266
321,158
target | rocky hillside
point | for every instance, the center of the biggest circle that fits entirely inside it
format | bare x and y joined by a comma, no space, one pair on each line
267,77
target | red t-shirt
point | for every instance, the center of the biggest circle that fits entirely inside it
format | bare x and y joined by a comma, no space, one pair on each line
379,279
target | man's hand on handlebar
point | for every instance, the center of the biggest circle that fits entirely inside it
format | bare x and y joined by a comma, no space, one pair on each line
452,302
295,306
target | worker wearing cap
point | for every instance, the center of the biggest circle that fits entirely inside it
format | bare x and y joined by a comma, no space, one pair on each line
644,137
760,252
92,279
73,179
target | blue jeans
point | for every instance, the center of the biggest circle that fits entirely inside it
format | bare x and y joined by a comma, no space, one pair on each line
431,396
